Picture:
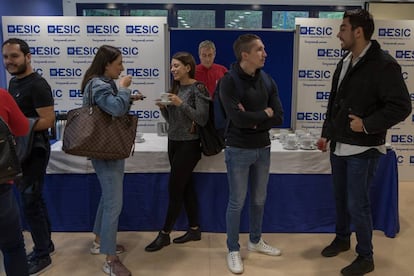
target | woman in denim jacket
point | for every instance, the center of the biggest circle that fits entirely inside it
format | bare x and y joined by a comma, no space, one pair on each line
107,66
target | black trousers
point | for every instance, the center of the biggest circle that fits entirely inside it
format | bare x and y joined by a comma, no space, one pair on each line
34,207
183,157
11,238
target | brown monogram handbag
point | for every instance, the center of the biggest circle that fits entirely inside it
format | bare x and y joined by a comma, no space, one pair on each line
93,133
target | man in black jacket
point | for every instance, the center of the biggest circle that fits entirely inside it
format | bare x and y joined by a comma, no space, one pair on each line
251,112
368,96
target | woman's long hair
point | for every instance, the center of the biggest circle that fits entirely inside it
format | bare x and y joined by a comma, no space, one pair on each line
106,54
186,59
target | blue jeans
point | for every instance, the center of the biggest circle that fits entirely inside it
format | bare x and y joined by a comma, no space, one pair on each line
11,238
352,176
111,177
244,167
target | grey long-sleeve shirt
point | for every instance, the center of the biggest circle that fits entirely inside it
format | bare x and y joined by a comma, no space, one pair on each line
180,118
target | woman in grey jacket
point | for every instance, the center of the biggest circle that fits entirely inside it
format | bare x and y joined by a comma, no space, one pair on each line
188,104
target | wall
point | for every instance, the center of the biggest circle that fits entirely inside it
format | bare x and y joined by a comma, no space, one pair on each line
402,11
69,6
26,8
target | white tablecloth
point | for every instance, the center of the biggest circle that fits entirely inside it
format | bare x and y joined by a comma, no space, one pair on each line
151,157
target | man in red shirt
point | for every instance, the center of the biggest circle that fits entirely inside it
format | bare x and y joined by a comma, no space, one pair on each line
11,238
207,71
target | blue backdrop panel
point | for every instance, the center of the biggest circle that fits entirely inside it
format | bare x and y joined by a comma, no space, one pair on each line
278,45
295,202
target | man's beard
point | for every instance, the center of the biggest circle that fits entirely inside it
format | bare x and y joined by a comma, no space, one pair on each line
20,70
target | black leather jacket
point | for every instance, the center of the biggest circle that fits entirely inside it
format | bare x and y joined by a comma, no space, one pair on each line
373,90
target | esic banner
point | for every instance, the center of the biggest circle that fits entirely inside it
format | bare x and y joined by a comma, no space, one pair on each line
320,51
62,49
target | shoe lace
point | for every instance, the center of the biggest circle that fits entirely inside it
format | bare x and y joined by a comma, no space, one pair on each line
235,259
265,246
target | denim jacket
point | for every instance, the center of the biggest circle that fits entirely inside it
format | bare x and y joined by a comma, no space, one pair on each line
106,95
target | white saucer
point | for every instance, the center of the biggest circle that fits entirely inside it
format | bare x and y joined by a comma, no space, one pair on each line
164,102
309,148
290,148
142,140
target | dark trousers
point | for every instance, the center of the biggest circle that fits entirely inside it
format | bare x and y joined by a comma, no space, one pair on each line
352,177
34,207
11,238
183,157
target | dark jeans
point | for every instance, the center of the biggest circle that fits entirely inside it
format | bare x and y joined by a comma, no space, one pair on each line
352,176
11,238
183,157
34,207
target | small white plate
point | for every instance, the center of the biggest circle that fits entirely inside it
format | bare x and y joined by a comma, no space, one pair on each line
164,102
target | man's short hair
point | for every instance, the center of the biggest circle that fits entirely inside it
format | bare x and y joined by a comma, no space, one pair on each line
243,44
24,47
206,44
361,18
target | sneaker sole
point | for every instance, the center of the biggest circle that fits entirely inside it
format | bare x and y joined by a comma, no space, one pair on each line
326,255
265,253
236,272
41,271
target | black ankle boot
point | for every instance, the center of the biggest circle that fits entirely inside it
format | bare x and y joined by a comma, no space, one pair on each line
161,241
191,235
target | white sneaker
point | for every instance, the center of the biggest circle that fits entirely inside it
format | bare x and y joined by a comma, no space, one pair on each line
96,247
264,248
234,262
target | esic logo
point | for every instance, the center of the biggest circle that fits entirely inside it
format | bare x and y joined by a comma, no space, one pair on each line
392,32
143,72
45,51
75,93
65,72
311,116
402,139
129,51
316,31
102,29
82,51
57,93
405,54
321,95
331,52
412,97
63,29
146,114
400,159
142,29
23,29
314,74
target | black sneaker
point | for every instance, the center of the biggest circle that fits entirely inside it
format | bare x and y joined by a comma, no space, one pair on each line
359,266
337,246
32,254
39,265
